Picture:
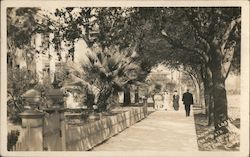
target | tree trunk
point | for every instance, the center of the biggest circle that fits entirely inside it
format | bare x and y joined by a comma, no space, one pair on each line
180,89
201,96
197,90
220,104
208,86
137,95
104,95
219,71
116,97
208,105
127,98
221,56
210,114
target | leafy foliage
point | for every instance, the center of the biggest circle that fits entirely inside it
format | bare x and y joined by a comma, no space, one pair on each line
12,138
21,25
111,71
103,26
19,81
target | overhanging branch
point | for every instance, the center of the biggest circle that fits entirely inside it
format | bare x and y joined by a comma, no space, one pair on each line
179,45
199,35
227,32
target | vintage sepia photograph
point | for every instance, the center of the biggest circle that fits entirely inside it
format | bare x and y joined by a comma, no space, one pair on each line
106,78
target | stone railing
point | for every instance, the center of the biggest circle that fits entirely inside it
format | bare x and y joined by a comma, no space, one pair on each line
87,136
48,131
42,130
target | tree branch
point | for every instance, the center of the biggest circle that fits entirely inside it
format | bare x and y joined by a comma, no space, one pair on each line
179,45
227,61
198,32
199,35
227,32
204,41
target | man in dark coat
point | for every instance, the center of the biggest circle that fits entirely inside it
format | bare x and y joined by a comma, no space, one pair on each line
187,99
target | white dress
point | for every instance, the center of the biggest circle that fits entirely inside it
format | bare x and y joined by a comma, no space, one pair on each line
158,101
71,103
166,101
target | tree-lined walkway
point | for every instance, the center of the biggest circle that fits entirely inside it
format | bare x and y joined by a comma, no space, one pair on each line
160,131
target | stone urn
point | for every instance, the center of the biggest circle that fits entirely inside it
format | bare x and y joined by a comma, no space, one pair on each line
55,96
32,97
32,118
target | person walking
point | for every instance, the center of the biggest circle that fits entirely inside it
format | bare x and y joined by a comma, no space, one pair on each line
187,99
176,101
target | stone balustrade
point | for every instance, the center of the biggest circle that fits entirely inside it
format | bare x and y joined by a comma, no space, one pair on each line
48,130
85,137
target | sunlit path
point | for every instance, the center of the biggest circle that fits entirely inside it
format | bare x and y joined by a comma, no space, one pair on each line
160,131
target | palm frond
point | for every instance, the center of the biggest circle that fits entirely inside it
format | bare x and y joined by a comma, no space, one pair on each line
111,70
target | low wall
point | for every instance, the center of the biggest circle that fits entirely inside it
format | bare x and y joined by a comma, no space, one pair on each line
85,137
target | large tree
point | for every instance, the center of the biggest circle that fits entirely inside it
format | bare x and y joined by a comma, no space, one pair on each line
211,33
217,29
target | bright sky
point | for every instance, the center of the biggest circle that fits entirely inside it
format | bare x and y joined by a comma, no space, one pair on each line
160,68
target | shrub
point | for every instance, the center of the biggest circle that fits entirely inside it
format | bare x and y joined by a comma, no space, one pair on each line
12,139
19,81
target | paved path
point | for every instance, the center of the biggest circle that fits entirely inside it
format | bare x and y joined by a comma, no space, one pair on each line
160,131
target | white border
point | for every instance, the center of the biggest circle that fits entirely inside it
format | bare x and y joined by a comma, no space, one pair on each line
118,3
244,149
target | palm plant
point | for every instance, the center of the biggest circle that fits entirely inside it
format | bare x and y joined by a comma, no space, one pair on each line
111,70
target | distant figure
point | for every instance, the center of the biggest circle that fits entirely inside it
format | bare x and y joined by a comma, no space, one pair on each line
176,101
187,99
90,95
158,101
70,101
165,101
